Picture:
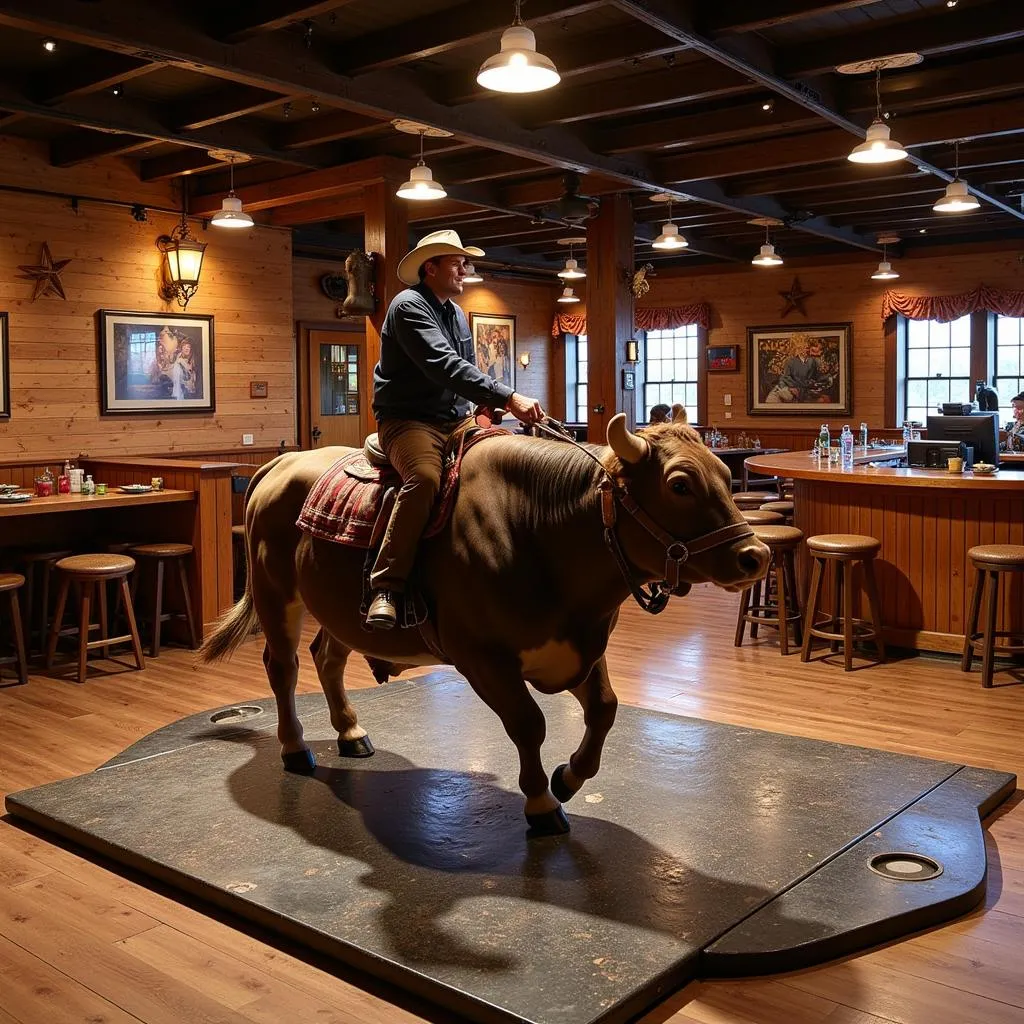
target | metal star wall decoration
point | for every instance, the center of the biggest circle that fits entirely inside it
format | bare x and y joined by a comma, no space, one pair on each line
795,298
46,275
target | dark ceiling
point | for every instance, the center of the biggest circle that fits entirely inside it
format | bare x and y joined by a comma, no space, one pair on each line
733,106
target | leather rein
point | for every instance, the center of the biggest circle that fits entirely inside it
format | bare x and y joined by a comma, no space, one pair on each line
651,597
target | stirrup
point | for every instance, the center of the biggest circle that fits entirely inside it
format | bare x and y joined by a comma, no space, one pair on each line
382,613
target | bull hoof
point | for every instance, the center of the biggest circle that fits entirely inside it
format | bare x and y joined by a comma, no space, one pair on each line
550,823
562,793
361,747
301,762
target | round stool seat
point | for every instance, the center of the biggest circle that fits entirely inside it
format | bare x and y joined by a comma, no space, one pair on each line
761,496
852,545
778,536
46,555
783,507
164,550
97,565
11,581
758,517
998,556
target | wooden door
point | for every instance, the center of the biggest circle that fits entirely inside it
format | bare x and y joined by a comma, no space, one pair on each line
337,362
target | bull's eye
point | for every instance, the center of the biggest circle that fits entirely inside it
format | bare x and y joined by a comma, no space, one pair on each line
679,487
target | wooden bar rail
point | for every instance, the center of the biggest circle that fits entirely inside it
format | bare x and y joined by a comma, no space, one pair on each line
926,521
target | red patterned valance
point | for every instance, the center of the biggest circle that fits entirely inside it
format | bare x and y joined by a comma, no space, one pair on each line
655,318
951,307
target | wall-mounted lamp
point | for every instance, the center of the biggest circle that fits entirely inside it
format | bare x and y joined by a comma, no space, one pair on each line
632,351
524,359
183,263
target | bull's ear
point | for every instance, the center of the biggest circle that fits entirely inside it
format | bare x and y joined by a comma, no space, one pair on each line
629,447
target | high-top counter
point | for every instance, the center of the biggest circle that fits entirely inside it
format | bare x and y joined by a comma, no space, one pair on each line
926,521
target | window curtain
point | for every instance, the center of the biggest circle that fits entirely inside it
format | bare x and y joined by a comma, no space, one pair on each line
652,319
945,308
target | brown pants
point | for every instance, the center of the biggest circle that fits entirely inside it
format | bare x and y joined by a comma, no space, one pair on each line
416,450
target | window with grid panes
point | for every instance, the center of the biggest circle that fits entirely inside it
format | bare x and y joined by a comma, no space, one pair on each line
1009,375
938,365
670,369
576,352
339,380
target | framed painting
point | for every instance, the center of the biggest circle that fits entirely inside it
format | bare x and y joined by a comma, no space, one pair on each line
5,369
494,342
722,358
799,370
155,362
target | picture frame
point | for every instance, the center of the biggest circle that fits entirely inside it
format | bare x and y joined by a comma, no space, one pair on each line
799,371
155,363
722,358
5,369
258,389
494,344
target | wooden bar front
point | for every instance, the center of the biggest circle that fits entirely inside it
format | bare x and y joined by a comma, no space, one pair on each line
926,521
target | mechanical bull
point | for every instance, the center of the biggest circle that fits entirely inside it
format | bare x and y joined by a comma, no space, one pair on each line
545,541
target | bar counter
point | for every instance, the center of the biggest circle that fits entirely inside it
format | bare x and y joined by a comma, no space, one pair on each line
926,521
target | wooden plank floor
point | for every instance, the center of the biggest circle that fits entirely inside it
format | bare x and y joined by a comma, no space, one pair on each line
80,942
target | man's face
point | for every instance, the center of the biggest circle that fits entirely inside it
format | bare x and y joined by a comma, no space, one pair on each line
1018,411
445,275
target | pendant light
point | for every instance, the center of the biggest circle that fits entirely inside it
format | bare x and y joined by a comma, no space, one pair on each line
567,295
669,237
878,147
472,277
421,184
231,214
571,271
884,271
518,67
956,198
767,257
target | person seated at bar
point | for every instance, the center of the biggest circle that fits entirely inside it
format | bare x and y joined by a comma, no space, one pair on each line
679,413
660,413
1015,429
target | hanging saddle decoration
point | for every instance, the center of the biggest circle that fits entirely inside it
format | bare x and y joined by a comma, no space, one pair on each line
354,287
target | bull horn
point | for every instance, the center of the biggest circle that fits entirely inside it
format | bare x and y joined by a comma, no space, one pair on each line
629,447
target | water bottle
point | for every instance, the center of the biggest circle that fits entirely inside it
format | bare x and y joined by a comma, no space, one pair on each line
824,440
846,446
907,433
864,436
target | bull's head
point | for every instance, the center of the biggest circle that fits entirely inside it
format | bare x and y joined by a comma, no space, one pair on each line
687,491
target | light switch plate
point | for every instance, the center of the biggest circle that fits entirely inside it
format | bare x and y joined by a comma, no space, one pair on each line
728,415
247,439
727,399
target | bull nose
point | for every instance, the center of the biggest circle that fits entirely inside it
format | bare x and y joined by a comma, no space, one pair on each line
753,559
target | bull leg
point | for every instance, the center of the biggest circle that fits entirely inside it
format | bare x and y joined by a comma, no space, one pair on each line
599,704
504,691
329,656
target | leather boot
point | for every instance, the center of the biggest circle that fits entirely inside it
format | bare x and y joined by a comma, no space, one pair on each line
382,613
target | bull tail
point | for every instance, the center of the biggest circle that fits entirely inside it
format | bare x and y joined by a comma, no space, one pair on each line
233,627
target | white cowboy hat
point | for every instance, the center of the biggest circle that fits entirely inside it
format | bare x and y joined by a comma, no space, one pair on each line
437,243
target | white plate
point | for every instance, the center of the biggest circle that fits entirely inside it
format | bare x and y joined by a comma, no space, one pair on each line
15,498
135,488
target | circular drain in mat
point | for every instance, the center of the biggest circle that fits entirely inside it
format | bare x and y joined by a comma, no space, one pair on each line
238,714
905,867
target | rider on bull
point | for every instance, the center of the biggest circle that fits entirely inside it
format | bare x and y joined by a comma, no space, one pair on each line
423,389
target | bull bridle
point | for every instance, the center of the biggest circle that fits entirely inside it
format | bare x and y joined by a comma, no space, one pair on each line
651,597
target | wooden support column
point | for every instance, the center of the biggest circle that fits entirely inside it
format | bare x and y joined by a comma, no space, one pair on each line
609,314
385,232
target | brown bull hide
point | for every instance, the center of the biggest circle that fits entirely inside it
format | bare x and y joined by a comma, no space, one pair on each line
521,585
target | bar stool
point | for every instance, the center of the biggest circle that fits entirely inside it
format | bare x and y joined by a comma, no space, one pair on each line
38,572
11,583
760,517
157,555
784,508
782,607
989,560
751,500
91,573
843,550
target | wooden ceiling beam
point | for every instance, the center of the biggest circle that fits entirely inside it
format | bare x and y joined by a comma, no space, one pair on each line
175,165
255,18
83,146
94,73
733,16
224,103
433,33
578,55
690,83
332,208
329,126
487,166
837,176
931,32
276,61
746,121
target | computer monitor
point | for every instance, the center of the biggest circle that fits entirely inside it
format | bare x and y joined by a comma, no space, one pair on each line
981,431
